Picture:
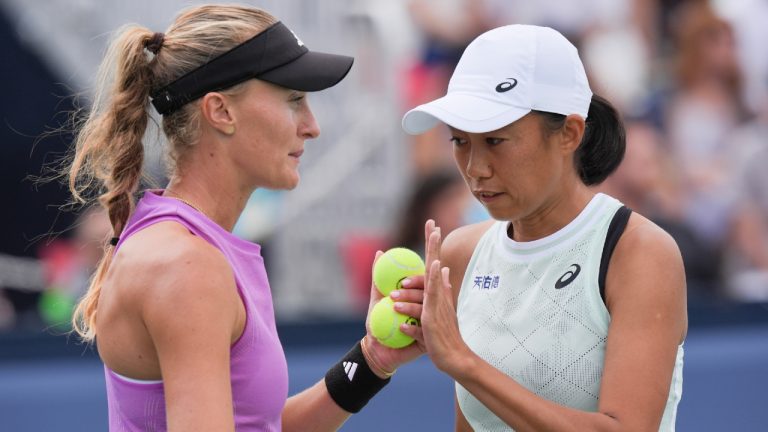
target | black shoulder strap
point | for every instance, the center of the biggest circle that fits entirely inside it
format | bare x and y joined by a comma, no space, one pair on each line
615,229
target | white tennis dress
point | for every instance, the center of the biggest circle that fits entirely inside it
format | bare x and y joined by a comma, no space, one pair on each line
534,311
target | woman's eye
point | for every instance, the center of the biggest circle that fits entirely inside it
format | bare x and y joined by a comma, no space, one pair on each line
494,141
457,141
297,98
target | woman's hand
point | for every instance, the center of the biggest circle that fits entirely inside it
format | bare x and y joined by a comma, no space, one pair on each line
383,360
439,326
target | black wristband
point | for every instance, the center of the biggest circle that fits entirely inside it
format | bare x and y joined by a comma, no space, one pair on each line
351,383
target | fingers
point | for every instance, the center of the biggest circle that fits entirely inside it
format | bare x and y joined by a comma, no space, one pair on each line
413,282
433,249
408,295
413,331
429,229
410,309
378,255
446,273
436,239
375,294
435,281
408,301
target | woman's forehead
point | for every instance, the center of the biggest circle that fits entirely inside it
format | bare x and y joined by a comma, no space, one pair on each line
521,126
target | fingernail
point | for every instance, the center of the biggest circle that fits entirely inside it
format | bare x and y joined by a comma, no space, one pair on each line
404,326
398,306
395,294
406,282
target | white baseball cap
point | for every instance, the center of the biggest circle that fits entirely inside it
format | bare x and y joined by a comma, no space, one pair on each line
503,75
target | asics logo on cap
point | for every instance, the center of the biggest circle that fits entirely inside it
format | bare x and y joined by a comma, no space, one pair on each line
506,85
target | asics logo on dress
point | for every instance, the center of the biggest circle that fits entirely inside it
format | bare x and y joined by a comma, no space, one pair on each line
506,86
350,368
568,277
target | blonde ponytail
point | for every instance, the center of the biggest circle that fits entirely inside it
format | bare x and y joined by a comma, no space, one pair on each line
109,153
109,148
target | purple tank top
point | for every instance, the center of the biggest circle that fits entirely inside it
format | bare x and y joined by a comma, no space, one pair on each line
259,373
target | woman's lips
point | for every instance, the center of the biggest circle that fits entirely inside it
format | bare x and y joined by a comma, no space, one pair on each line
487,196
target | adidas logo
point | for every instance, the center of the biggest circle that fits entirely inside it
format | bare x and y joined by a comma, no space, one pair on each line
350,368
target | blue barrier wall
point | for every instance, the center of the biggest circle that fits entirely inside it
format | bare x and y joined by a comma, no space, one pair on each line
725,382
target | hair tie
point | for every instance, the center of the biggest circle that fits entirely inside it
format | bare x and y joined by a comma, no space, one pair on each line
154,44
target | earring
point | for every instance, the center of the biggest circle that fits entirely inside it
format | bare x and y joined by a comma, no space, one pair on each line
230,130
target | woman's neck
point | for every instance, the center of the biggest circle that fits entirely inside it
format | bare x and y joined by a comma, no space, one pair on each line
551,216
216,195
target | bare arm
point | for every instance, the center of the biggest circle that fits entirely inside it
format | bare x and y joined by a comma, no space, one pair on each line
315,410
462,425
191,314
646,298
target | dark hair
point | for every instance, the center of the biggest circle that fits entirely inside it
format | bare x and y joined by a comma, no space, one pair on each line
427,190
603,144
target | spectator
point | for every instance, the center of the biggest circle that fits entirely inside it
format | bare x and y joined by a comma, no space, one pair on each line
441,196
704,108
446,28
648,184
747,260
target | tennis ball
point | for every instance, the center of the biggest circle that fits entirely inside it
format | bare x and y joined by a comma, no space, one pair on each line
395,265
385,324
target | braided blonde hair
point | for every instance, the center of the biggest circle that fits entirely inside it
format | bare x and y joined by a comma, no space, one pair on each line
109,151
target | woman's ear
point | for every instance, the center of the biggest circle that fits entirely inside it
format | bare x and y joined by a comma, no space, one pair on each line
572,132
217,112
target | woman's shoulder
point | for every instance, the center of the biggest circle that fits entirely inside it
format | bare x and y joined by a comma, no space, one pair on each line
167,243
648,255
171,261
460,243
646,278
642,236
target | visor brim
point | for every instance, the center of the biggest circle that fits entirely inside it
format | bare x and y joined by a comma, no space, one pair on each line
462,111
313,71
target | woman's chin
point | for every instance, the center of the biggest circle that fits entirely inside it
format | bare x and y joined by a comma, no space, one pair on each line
290,183
499,214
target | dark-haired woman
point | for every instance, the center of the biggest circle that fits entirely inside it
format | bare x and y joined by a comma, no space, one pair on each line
568,311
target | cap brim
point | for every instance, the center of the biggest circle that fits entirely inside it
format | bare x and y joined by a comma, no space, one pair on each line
312,71
462,111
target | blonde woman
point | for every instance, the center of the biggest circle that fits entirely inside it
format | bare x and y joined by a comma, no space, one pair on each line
179,307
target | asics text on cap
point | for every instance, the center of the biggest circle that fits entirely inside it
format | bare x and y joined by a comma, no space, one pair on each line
275,55
503,75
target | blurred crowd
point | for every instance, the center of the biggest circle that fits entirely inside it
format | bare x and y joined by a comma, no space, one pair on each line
691,80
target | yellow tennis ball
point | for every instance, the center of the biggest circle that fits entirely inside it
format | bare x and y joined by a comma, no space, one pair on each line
385,324
395,265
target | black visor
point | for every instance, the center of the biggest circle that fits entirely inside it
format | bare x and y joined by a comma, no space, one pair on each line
275,55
